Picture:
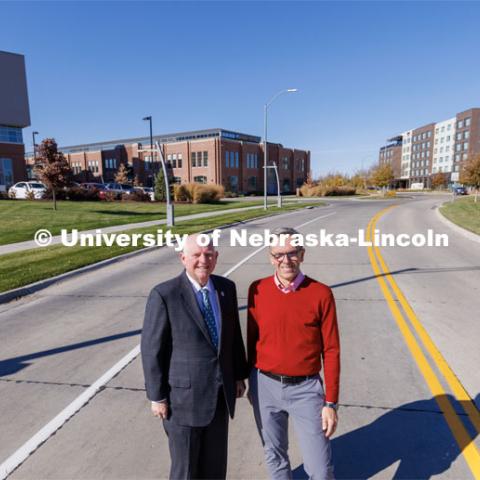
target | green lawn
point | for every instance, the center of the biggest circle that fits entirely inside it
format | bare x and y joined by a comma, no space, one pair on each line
20,219
464,212
22,268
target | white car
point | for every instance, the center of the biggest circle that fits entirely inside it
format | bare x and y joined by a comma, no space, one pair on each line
25,189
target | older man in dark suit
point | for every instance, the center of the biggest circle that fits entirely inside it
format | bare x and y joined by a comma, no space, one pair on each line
194,362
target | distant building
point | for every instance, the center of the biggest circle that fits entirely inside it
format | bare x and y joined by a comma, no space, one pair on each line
14,116
232,159
442,147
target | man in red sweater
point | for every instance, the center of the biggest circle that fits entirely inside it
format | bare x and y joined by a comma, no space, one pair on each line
292,330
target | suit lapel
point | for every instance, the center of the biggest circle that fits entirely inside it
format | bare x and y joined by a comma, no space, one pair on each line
191,305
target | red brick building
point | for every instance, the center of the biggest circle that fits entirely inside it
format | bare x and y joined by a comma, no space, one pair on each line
232,159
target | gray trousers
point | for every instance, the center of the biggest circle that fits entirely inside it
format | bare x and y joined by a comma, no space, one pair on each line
273,404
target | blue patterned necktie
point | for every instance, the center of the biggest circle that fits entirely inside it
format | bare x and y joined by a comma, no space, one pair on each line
209,317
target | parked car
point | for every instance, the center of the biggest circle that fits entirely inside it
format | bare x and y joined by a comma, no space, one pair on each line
119,188
460,191
26,189
148,190
101,188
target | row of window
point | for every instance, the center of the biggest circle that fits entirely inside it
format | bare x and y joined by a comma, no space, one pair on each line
421,146
92,166
420,172
459,146
231,159
443,139
464,123
76,168
252,160
462,135
11,134
111,163
197,159
459,157
442,129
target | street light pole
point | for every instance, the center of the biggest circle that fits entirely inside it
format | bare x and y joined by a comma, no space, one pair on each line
34,147
265,141
149,118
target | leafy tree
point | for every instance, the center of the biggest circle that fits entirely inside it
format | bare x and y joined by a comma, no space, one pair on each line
122,174
471,174
159,187
382,175
439,180
52,168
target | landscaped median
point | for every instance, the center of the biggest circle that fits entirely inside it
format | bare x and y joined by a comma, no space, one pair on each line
28,266
464,212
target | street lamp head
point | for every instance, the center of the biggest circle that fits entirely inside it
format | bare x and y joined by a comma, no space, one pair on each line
35,133
291,90
147,118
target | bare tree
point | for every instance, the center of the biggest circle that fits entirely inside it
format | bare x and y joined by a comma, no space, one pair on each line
52,167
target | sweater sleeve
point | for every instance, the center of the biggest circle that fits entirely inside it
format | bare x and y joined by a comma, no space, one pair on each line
331,348
252,327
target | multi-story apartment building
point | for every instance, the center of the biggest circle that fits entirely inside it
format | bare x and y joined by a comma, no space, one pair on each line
14,115
441,147
232,159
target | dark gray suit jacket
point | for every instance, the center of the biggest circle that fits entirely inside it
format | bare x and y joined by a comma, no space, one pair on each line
180,363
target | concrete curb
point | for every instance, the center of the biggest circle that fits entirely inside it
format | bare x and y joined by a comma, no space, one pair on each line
20,292
462,231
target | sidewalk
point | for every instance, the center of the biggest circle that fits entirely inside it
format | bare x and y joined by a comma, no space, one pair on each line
29,244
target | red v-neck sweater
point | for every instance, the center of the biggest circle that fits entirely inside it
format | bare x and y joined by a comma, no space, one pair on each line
289,333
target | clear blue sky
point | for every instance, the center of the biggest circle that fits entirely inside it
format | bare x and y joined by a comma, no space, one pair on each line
365,70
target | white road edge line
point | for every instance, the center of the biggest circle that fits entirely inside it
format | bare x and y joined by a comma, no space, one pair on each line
18,457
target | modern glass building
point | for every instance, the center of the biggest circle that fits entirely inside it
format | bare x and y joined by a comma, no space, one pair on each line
14,116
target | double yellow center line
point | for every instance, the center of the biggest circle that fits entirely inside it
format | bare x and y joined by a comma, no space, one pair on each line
409,324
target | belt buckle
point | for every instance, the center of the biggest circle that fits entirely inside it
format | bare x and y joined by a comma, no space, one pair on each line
282,378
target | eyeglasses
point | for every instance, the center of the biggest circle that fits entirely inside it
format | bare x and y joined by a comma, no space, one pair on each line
281,256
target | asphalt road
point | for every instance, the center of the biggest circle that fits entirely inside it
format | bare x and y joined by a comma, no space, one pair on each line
398,415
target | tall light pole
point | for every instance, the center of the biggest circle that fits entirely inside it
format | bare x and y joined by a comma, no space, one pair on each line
265,144
34,147
149,118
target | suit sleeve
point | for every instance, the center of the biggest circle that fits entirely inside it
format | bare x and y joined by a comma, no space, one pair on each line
252,328
239,357
331,348
156,347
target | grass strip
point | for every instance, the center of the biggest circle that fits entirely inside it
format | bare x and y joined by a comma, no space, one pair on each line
20,219
464,212
22,268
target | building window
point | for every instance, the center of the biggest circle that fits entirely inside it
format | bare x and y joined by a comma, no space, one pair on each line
179,160
465,156
458,136
465,146
200,179
6,172
237,163
252,183
194,159
460,124
232,159
466,134
226,159
205,159
467,122
177,180
233,183
10,134
174,160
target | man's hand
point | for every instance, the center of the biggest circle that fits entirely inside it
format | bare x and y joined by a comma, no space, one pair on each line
329,421
240,388
160,409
